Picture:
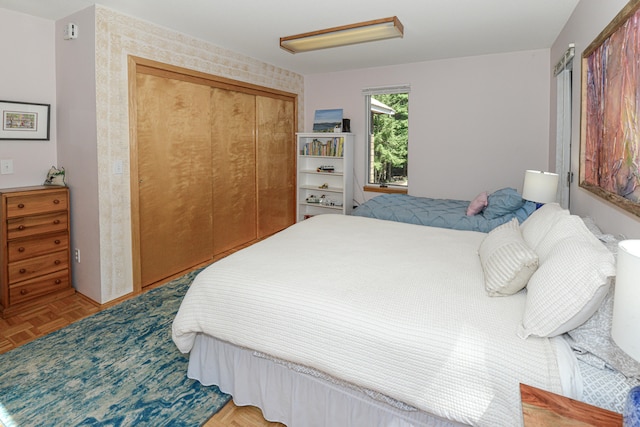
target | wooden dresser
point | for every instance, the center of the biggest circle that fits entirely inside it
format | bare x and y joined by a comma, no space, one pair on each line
34,247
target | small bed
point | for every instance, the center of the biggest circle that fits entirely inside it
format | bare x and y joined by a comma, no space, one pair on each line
352,321
484,213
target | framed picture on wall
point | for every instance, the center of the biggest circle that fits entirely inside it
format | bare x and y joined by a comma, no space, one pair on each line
610,134
327,120
24,121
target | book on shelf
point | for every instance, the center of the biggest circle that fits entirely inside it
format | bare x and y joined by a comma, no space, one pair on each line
327,147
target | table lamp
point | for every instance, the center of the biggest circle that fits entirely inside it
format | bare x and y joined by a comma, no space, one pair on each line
540,187
625,327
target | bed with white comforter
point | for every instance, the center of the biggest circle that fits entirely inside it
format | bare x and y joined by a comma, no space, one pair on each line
395,309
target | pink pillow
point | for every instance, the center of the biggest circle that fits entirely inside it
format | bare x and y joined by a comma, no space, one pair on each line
478,204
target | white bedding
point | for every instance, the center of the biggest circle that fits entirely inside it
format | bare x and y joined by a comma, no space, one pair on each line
391,307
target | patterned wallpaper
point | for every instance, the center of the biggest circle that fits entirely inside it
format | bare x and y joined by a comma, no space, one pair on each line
117,37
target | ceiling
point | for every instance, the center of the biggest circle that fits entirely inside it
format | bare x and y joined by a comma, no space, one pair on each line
434,29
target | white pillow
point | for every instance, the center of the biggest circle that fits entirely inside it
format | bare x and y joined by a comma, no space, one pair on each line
569,285
538,224
564,227
507,261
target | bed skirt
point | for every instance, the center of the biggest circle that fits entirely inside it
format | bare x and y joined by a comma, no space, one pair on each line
291,397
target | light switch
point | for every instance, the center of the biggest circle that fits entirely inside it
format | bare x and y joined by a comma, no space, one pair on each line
118,168
6,166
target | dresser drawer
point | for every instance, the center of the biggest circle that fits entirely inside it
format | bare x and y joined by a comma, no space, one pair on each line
34,288
31,225
33,204
37,266
36,246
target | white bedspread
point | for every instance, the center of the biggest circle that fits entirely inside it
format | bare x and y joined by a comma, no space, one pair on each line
392,307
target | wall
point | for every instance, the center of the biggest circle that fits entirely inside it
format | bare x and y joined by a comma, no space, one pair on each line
493,109
587,21
27,75
116,37
475,123
76,99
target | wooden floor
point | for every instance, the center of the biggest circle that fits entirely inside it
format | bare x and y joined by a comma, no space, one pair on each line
29,325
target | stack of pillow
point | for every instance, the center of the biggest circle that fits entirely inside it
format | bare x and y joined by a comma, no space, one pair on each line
566,270
567,266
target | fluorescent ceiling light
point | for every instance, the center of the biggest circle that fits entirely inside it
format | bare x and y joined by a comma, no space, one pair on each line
379,29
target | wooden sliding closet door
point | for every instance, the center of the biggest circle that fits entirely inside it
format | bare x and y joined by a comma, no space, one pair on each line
213,167
234,169
174,171
276,164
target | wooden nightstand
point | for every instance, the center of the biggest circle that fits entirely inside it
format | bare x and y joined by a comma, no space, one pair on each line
542,408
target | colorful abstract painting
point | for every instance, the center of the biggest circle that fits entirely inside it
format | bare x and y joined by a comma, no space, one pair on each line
610,149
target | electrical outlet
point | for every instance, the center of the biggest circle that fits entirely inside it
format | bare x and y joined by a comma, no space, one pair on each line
6,166
76,255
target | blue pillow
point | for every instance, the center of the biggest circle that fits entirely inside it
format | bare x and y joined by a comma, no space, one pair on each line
503,202
527,209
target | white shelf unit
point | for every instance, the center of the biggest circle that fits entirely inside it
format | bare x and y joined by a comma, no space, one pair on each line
333,150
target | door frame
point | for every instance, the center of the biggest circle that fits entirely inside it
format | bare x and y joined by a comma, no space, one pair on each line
563,74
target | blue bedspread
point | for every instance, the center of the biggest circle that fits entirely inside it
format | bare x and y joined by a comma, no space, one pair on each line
445,213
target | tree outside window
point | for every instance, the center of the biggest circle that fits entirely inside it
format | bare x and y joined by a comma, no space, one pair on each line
389,138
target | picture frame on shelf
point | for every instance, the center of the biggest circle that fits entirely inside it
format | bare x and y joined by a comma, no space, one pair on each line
610,119
328,120
24,121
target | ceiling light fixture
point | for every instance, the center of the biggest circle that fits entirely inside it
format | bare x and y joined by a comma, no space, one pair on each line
378,29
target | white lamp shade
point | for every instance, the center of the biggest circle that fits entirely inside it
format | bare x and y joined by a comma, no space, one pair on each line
539,186
625,328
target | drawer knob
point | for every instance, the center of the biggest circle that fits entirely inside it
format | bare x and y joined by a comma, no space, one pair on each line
57,241
23,291
20,249
57,221
57,262
58,281
21,227
56,202
23,270
20,205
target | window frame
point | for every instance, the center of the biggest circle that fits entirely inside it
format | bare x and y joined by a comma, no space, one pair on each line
367,93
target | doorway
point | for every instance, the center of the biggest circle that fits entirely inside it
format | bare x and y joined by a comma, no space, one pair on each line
564,79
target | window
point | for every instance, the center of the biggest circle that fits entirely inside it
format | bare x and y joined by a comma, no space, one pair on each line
387,112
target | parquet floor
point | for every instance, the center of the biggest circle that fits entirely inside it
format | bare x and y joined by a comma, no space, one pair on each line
39,321
31,324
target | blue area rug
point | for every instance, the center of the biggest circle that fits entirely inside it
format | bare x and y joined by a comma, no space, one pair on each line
118,367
